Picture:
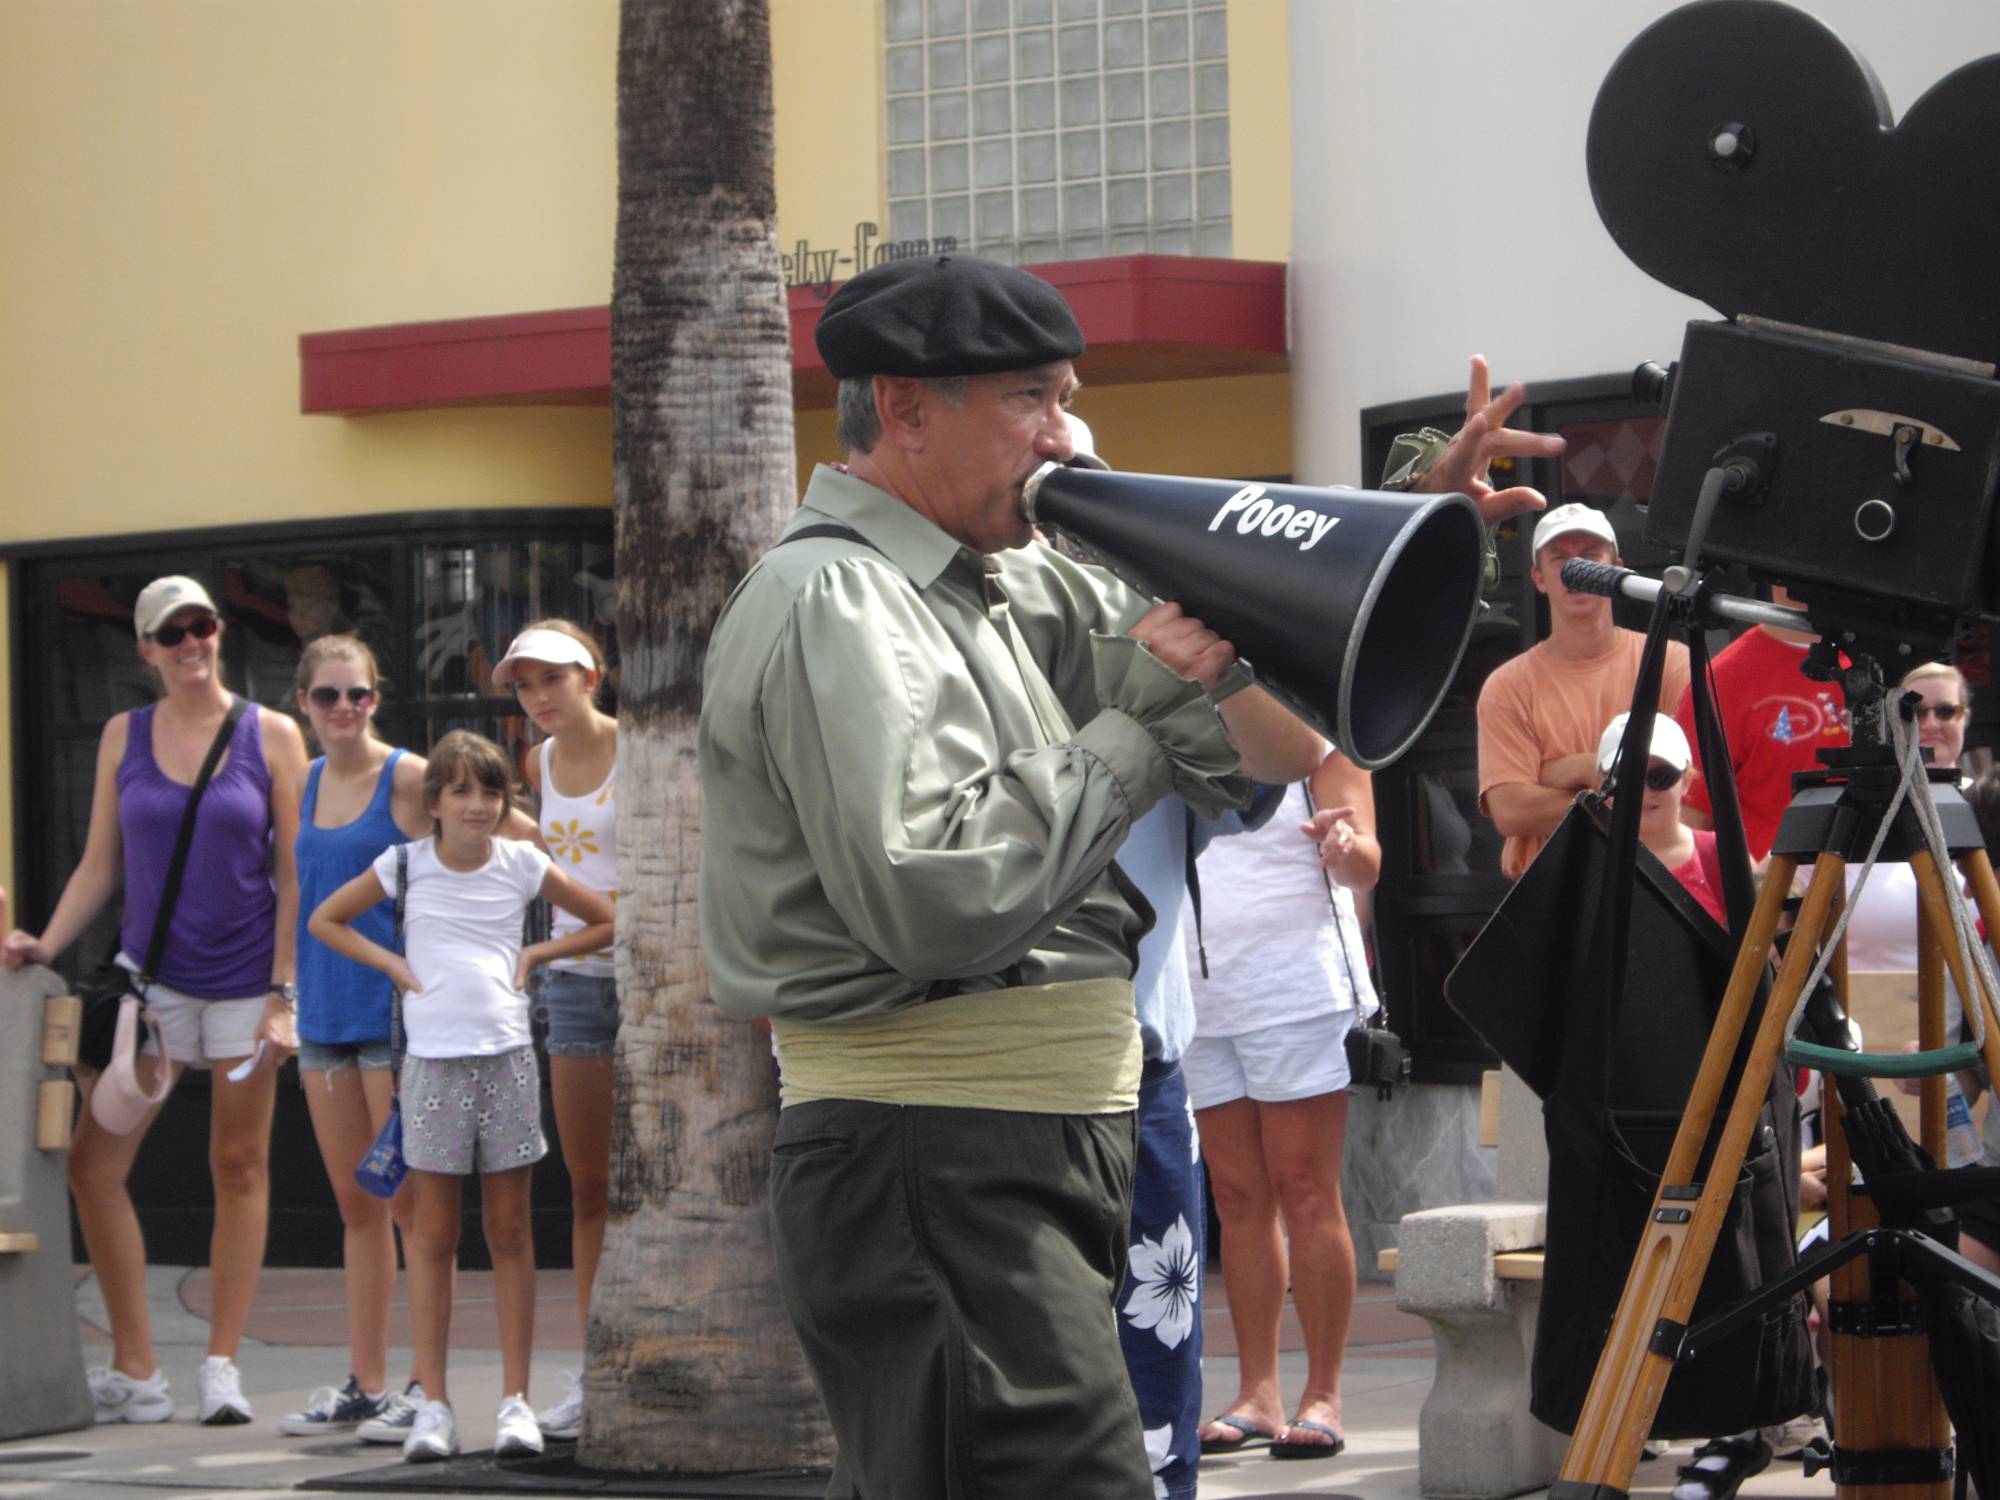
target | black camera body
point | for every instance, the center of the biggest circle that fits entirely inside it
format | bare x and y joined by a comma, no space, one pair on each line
1868,481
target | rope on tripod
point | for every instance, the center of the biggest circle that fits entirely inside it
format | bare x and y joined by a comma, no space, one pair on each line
1973,955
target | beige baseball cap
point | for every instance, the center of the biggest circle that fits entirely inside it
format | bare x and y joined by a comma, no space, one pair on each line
1565,519
159,599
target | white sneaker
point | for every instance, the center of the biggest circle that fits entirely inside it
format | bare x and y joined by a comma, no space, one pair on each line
518,1432
393,1422
220,1387
563,1422
117,1397
433,1435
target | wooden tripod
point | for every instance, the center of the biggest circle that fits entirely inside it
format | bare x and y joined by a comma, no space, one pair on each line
1888,1398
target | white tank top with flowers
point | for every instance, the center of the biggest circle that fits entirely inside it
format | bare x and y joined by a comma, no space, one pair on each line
582,835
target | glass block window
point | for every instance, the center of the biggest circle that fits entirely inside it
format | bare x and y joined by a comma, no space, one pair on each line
1032,130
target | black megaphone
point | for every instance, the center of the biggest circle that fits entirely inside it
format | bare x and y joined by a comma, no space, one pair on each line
1354,606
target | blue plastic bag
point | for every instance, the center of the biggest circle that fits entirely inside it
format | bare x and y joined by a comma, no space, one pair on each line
383,1169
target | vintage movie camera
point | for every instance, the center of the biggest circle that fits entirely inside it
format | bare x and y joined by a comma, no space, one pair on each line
1741,152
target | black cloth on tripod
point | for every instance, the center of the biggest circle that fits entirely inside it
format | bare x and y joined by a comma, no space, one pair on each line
1598,980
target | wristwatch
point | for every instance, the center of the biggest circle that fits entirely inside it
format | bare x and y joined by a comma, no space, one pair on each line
288,992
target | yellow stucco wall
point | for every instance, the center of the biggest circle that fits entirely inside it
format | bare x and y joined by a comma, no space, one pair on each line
1260,128
193,185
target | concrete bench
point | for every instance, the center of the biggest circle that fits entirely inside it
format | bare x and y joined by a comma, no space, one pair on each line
42,1387
1474,1273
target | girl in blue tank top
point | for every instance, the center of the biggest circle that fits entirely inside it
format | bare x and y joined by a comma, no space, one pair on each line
361,797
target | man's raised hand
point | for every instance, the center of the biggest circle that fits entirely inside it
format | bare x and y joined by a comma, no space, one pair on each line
1464,465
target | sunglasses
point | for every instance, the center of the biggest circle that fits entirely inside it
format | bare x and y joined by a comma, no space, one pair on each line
327,697
173,635
1944,713
1659,776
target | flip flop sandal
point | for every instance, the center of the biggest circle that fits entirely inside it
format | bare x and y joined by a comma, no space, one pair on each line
1720,1466
1250,1431
1282,1449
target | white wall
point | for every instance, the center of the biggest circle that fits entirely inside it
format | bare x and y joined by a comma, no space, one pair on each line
1440,206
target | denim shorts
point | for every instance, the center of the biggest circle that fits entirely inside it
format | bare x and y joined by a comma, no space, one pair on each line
583,1013
331,1057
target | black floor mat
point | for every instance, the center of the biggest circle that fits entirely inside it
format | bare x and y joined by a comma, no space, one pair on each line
558,1472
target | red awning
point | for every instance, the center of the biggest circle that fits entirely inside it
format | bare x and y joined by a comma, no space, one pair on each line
1147,317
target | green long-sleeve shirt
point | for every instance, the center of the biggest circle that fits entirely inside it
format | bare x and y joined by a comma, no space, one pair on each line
917,764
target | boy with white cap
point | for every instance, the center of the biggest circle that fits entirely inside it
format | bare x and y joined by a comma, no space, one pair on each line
1540,714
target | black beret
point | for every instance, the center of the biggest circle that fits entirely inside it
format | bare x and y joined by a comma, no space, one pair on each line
942,316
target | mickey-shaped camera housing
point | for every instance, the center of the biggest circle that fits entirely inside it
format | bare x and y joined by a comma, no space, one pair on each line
1739,151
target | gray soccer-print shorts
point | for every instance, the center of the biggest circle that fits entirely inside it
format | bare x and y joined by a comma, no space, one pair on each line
473,1114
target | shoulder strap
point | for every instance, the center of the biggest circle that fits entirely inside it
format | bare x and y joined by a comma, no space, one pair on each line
396,1038
826,528
1339,927
1193,876
170,892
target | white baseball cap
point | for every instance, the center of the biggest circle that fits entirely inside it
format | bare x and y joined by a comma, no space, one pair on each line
1565,519
1669,744
159,599
551,646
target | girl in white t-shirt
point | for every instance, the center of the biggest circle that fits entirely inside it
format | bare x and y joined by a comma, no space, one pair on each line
471,1092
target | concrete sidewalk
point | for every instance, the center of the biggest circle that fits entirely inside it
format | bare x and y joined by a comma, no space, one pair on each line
298,1342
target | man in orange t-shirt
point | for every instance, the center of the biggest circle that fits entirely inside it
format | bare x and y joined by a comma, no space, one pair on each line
1540,714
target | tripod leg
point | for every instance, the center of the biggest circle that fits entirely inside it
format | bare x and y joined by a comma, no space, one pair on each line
1986,894
1680,1233
1885,1396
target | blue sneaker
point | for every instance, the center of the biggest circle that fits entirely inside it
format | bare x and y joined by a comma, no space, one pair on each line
393,1423
332,1410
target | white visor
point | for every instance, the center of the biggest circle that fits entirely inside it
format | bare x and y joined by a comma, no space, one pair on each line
550,646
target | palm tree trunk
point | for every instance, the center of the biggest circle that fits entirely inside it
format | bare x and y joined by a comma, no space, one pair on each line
692,1365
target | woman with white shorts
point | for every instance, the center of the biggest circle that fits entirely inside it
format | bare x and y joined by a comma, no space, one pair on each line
1286,978
224,981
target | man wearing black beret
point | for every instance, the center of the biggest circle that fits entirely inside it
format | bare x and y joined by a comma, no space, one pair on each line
922,742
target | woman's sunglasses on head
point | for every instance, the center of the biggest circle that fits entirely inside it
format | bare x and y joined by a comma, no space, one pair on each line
328,697
172,635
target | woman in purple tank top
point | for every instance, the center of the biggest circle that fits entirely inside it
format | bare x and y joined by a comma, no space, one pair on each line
222,991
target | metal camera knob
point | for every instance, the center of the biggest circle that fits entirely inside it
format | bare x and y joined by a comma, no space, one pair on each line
1874,520
1732,145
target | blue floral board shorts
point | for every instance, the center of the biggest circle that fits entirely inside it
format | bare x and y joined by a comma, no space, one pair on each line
583,1013
473,1114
